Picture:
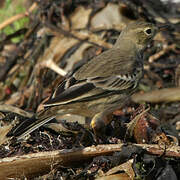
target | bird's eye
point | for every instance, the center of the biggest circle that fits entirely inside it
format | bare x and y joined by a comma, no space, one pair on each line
148,31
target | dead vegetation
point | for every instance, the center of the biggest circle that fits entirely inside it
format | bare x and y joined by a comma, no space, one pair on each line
143,140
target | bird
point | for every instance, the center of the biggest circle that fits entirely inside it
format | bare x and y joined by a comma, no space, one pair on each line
101,85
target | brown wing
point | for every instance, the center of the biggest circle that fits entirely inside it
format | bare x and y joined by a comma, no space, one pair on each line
117,76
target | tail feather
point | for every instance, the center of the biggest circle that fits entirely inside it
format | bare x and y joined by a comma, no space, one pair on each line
28,126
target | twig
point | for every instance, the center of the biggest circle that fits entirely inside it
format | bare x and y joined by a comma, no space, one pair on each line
165,49
36,163
9,108
85,36
49,63
157,96
18,16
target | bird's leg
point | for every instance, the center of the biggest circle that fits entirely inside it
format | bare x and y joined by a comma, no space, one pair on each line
98,124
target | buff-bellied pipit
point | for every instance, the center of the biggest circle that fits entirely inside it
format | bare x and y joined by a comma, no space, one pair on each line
100,86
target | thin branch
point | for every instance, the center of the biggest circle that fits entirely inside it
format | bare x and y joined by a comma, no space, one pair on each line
17,16
9,108
157,96
49,63
166,48
32,164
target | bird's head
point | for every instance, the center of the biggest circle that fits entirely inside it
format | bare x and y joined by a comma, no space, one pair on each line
139,33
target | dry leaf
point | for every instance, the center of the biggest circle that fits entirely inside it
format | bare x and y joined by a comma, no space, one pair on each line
80,17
